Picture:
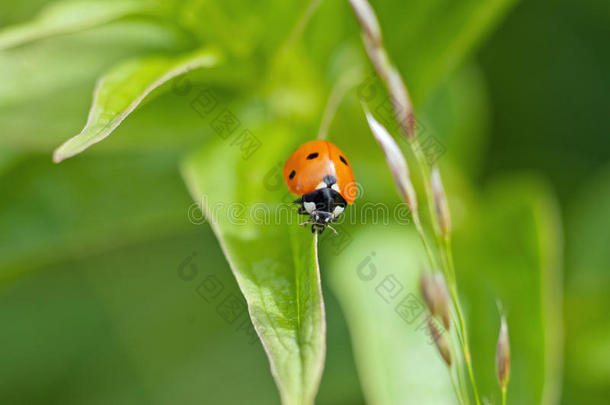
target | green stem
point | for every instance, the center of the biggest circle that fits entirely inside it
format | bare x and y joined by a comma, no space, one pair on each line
338,92
461,323
455,382
459,371
444,245
371,34
504,396
422,235
425,175
302,22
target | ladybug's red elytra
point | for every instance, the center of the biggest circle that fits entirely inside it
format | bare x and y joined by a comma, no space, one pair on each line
319,172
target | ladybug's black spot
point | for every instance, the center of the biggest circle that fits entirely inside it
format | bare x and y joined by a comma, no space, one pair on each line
312,156
292,173
343,160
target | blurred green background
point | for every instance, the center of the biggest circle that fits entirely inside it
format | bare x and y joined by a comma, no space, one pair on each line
92,305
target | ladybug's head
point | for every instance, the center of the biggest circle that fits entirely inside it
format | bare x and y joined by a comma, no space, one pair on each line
323,206
320,217
319,220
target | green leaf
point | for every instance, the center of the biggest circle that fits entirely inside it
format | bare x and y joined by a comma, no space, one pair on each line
376,279
509,249
149,292
273,260
121,90
66,17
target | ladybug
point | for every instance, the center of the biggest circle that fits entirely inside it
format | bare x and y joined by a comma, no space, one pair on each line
321,175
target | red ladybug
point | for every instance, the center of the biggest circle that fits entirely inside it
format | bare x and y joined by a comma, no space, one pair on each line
319,172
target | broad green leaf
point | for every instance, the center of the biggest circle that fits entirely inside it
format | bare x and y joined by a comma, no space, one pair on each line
273,259
376,280
120,91
509,249
66,17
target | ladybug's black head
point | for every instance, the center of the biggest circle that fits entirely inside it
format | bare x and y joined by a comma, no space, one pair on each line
323,206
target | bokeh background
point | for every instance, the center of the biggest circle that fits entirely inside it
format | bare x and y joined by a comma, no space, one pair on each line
92,308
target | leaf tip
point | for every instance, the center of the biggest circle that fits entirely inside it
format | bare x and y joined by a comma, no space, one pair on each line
59,154
57,157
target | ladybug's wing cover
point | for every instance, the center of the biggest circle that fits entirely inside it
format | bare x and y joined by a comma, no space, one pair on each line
302,175
345,175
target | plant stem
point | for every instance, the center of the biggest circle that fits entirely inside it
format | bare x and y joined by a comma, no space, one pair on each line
464,392
403,111
299,27
504,396
444,245
455,382
337,94
461,323
422,235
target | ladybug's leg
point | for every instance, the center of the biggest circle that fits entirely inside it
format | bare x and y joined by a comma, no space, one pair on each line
333,229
